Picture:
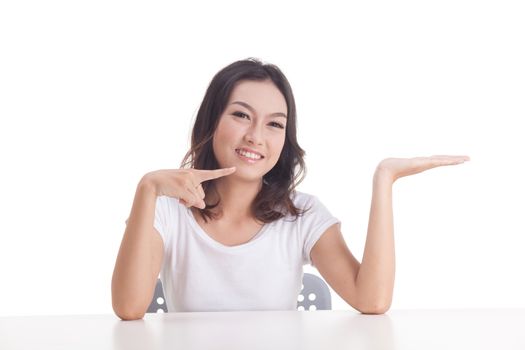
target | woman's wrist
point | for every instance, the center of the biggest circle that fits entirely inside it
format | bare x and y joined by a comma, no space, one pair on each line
147,184
383,175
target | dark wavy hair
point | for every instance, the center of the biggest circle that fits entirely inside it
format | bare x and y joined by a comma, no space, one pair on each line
274,199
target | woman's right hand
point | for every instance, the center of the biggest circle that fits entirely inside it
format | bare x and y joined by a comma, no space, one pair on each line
184,184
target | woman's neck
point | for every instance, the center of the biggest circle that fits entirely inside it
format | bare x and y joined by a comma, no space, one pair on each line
236,197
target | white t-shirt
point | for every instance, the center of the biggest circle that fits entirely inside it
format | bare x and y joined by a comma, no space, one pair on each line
200,274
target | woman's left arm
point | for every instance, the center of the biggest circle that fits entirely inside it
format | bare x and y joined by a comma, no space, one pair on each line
375,277
369,286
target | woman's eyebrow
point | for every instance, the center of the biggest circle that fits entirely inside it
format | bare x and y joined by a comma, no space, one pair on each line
244,104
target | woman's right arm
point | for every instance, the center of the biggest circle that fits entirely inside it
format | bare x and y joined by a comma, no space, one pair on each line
139,258
141,251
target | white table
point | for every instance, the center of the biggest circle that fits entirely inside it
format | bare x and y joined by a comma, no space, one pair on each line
398,329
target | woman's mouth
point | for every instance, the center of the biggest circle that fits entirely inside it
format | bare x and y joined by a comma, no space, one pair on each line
247,156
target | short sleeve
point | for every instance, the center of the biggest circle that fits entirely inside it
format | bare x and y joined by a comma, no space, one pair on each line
313,224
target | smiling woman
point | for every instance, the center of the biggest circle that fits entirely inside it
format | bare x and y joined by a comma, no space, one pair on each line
249,106
228,231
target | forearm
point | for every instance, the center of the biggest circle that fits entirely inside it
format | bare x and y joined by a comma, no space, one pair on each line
133,269
375,279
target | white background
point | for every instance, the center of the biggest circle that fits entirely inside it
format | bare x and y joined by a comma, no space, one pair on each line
95,94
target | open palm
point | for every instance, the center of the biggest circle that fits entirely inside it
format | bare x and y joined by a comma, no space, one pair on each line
400,167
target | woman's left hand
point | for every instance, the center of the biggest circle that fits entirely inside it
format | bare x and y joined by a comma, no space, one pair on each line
396,168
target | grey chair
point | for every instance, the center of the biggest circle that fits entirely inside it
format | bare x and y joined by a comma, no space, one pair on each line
314,295
158,304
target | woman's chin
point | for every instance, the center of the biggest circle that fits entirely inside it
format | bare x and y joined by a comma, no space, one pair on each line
247,176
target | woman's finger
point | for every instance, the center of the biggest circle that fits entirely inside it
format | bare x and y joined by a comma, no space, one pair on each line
196,200
439,160
451,158
191,201
201,191
206,175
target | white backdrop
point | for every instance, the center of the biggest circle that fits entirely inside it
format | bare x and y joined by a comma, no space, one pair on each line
95,94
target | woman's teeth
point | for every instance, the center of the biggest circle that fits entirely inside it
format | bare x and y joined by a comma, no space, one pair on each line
248,154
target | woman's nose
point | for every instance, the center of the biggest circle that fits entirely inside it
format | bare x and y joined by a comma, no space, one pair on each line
254,135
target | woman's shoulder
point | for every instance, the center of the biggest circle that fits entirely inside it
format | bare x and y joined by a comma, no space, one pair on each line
167,200
303,200
169,204
300,198
308,202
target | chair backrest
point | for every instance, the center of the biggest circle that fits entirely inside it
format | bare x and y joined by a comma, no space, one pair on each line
314,295
158,304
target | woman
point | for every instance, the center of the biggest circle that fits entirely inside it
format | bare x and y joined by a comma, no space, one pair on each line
228,231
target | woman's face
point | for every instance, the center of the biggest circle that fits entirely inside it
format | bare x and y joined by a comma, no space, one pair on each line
251,130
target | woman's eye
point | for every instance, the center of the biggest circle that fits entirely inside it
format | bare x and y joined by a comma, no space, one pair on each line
241,115
277,125
246,116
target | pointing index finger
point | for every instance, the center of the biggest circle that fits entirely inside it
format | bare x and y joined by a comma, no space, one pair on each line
206,175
